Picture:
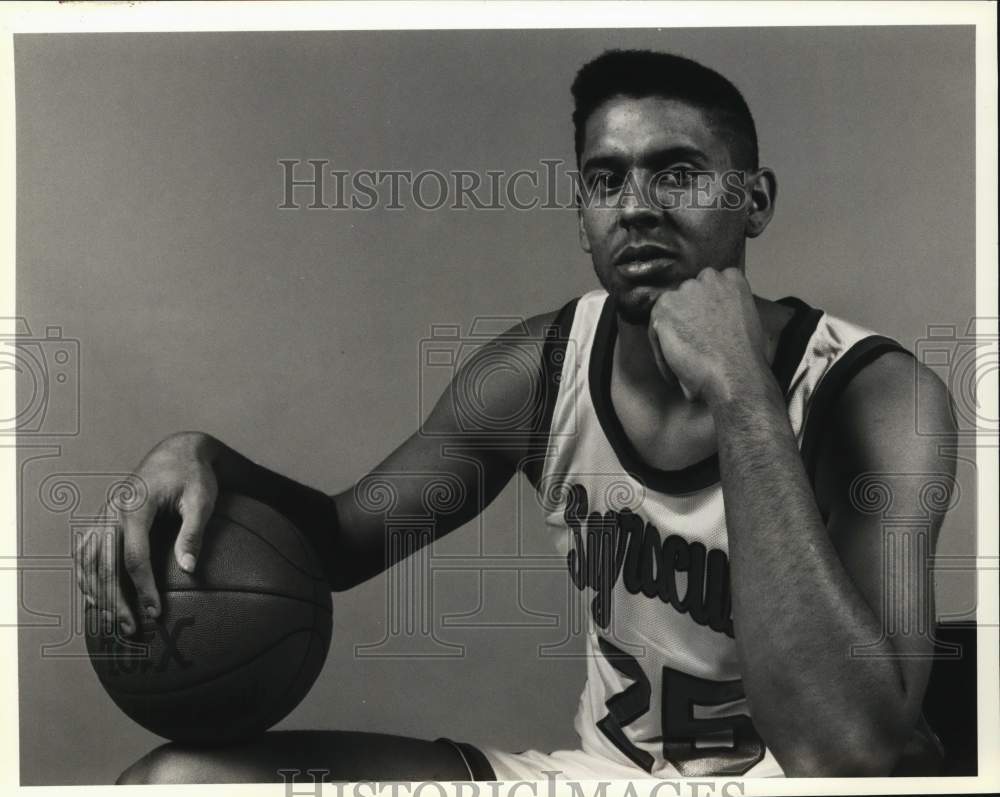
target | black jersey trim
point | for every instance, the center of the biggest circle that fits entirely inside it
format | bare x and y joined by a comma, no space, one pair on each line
793,341
788,354
475,760
553,359
830,389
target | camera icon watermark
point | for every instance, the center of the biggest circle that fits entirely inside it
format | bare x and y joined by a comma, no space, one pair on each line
46,374
470,366
965,361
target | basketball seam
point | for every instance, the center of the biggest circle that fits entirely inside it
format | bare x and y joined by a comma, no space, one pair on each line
270,545
229,671
298,675
276,711
304,547
182,591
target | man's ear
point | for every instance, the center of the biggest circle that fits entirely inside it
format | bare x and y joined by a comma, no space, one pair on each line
581,230
762,191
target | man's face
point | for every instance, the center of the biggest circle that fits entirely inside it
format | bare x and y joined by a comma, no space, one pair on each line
647,221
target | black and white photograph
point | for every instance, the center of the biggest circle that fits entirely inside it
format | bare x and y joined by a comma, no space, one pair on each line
577,397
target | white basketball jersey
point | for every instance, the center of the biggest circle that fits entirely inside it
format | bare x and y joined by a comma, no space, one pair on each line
648,550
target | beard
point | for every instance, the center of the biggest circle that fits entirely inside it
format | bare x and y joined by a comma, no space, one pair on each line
633,300
634,304
632,311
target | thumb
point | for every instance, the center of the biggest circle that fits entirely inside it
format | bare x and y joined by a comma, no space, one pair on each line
196,505
661,364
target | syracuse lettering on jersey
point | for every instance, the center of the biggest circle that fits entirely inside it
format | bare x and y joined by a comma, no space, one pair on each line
621,544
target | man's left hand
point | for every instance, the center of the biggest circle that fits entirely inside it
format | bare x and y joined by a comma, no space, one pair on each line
708,333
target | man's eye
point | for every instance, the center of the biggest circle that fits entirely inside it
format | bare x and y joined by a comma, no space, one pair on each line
679,175
606,180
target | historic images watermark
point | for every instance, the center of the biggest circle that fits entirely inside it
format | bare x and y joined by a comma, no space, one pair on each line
313,184
415,624
46,373
310,783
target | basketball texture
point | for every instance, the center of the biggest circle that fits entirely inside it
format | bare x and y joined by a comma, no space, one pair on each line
238,643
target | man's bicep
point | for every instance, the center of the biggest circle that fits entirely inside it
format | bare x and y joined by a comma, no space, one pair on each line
883,488
460,458
439,482
421,491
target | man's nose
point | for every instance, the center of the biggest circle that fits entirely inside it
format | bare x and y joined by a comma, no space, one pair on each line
635,208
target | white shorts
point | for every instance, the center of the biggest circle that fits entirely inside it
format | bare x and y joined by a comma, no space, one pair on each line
560,765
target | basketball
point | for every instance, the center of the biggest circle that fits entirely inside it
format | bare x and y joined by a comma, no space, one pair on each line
238,643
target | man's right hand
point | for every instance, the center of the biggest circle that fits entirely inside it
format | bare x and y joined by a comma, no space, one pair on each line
177,476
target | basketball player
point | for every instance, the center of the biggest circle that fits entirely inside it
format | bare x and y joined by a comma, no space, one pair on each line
731,591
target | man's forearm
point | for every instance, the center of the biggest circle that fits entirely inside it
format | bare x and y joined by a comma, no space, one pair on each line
796,612
354,536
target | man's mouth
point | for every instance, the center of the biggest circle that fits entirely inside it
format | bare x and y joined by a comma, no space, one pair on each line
644,262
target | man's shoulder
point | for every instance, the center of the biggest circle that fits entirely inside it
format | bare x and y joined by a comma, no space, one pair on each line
528,333
871,402
883,373
896,385
892,416
851,355
503,376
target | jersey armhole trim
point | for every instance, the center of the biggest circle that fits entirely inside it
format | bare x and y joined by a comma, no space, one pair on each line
553,360
475,760
793,340
831,388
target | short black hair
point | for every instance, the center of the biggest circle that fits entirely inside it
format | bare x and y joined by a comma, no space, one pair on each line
644,73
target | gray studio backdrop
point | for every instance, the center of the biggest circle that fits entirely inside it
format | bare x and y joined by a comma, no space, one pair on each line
148,231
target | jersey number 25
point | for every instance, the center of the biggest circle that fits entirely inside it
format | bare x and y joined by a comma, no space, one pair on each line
697,747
